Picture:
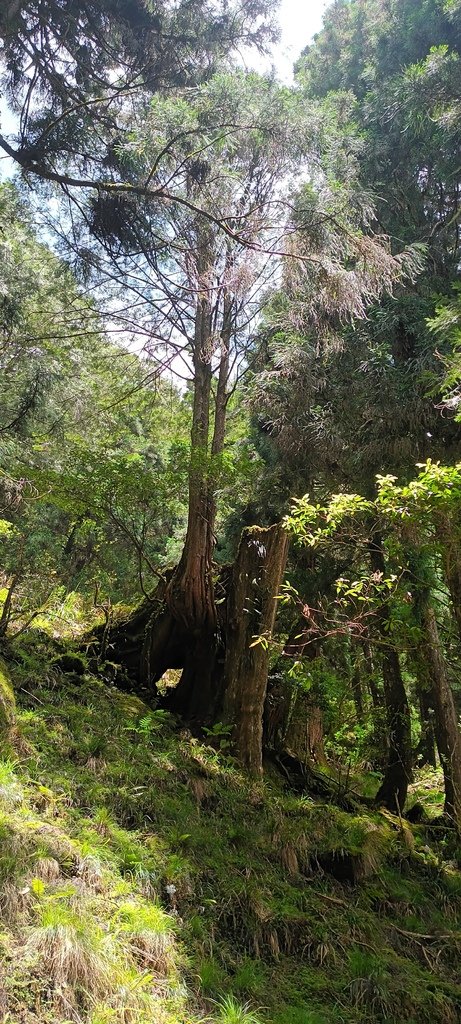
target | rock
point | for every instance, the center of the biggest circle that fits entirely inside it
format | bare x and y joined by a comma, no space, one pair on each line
416,814
70,663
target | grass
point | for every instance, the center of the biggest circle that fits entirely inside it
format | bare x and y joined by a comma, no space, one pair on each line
73,950
146,880
230,1011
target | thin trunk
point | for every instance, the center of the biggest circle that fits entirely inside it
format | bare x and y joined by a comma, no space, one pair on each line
357,694
8,606
451,561
219,432
393,790
425,751
446,718
370,676
70,542
252,605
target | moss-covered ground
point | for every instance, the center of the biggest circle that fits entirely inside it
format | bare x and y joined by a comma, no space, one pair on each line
146,880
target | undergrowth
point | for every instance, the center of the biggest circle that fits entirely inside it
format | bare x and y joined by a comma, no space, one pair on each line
146,880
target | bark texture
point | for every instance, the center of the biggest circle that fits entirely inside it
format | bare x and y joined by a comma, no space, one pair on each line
451,559
393,790
305,733
190,595
446,719
251,614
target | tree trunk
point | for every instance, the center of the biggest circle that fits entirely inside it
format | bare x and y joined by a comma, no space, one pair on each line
8,605
446,719
425,751
393,790
183,629
305,734
251,614
451,560
190,595
357,694
370,676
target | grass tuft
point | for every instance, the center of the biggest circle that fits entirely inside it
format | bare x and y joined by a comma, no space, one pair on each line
148,932
72,952
230,1011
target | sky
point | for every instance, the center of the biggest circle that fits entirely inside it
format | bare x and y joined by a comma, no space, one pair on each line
299,21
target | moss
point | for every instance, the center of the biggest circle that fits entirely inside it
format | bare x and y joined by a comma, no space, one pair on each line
166,881
70,663
7,703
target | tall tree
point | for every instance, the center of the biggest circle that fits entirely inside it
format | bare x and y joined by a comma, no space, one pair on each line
78,80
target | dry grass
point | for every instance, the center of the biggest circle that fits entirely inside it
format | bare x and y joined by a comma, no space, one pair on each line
91,872
68,956
148,934
47,869
15,902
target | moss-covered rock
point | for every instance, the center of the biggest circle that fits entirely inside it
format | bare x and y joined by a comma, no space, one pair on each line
70,663
7,703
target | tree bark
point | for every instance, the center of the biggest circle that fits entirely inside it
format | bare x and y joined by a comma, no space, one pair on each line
446,719
251,614
357,694
370,676
304,735
190,595
393,790
447,731
451,561
425,751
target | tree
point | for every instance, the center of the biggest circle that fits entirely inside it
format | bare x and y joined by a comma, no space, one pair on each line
335,412
210,289
189,204
93,445
78,81
407,515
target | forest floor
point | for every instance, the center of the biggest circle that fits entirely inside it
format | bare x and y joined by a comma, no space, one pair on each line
146,880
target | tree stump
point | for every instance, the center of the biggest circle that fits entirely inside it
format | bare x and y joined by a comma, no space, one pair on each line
251,612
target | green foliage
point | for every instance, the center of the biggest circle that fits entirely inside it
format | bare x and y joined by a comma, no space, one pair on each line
219,733
149,724
230,1011
89,478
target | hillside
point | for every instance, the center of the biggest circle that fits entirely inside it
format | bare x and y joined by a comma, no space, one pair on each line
146,879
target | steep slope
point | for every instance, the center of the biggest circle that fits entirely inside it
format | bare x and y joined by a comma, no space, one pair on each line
146,879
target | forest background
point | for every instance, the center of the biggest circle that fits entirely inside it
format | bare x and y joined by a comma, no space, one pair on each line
237,293
230,530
